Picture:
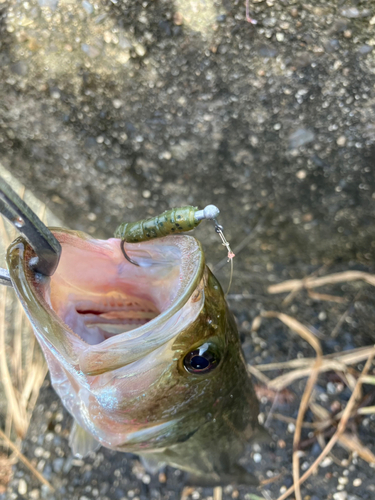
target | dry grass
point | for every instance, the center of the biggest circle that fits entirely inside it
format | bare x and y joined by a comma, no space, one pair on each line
218,493
325,422
330,279
22,368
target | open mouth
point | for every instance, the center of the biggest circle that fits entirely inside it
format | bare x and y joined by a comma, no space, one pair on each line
99,294
116,313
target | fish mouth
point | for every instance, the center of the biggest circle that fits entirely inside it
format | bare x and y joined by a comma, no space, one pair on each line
97,302
99,294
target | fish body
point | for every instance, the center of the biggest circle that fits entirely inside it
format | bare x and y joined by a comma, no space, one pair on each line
147,358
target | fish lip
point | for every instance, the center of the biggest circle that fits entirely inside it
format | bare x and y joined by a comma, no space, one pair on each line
30,286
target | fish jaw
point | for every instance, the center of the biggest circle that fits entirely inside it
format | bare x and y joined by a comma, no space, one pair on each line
87,377
94,285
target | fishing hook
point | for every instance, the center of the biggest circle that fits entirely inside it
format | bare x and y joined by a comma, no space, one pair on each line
126,255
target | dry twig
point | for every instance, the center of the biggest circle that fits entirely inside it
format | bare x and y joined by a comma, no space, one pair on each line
307,335
353,444
330,279
218,493
326,297
302,367
340,429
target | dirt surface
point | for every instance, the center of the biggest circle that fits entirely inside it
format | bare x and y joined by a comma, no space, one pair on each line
118,110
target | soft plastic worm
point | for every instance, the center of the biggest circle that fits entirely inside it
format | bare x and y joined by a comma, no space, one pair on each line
173,221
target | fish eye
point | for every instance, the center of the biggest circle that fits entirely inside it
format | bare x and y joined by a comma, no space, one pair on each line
202,360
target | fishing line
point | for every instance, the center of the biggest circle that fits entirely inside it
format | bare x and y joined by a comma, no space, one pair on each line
231,255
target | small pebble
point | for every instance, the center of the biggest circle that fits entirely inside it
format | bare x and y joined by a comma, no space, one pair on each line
301,174
340,495
257,458
178,18
341,141
117,103
58,464
166,155
269,22
140,50
38,452
281,443
353,12
291,428
22,487
280,37
146,193
331,388
88,7
301,137
337,65
365,49
49,437
357,482
326,462
335,406
305,465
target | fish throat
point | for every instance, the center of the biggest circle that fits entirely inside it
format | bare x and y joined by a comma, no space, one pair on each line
99,295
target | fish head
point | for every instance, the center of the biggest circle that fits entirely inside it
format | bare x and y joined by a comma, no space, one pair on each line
143,357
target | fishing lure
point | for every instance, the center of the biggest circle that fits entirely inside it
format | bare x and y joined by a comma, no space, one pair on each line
177,220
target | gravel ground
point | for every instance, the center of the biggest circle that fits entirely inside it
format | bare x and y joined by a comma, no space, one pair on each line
112,111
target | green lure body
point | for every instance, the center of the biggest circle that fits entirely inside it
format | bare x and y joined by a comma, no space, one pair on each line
177,220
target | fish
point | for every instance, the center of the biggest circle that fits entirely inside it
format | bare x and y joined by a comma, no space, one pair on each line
146,358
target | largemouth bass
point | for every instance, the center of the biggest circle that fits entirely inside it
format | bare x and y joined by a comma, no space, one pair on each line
147,358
